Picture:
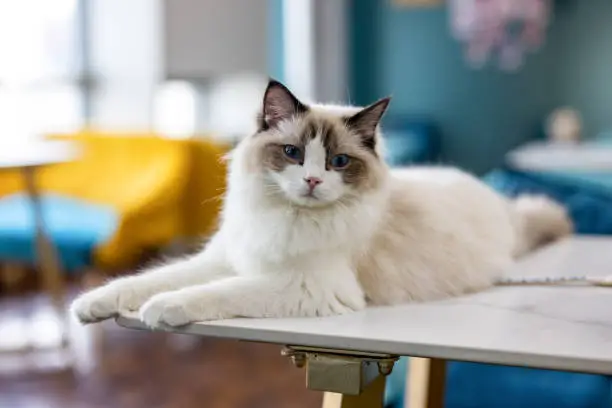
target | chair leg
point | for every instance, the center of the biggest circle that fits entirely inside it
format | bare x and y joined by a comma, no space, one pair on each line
372,397
48,259
425,383
11,274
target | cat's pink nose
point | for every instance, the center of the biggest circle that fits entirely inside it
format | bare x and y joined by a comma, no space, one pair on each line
312,182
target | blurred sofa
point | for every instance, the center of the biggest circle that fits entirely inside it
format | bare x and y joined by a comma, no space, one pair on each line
410,140
128,193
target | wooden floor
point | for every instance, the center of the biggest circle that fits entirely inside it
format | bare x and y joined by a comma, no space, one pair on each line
123,368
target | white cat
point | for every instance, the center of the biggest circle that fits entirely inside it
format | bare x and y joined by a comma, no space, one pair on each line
315,224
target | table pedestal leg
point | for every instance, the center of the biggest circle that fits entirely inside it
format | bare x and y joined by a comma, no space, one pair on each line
48,260
372,397
425,383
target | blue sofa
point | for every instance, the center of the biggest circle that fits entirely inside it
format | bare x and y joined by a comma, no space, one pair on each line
471,385
75,227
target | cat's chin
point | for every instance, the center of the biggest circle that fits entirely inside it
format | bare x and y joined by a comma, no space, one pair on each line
308,201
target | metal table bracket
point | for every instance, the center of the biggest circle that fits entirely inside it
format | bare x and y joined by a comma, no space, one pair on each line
339,371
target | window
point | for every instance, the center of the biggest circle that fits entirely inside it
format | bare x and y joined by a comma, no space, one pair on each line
40,67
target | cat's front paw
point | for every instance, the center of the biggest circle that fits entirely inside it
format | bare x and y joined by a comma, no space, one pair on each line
165,309
96,305
106,301
178,309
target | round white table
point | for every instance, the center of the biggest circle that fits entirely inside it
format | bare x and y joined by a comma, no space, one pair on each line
547,156
28,158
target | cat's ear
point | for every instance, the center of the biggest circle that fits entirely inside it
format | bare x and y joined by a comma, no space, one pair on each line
365,121
279,104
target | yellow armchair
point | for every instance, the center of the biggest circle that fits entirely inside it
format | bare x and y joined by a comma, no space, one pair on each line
162,189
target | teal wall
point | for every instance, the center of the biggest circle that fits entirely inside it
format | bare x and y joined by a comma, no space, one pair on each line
411,55
481,113
584,43
364,50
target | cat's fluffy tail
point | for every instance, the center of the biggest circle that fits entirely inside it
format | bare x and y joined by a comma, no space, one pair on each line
539,220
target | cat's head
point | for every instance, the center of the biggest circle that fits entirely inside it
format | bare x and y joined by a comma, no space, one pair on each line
315,155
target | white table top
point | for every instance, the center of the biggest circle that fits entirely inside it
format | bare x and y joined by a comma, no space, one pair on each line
40,153
547,156
566,328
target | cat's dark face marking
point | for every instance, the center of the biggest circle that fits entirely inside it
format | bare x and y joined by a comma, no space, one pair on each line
317,154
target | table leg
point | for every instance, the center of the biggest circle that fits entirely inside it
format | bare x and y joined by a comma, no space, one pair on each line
425,383
371,397
48,260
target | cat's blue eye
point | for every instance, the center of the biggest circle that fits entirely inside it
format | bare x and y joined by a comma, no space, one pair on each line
293,152
340,161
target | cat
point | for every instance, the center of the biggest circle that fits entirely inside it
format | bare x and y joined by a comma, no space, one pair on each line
314,223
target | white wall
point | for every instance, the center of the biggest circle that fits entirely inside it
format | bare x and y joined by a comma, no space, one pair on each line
299,47
125,42
315,49
205,38
331,51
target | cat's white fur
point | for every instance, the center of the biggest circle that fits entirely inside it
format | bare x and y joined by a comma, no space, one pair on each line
424,233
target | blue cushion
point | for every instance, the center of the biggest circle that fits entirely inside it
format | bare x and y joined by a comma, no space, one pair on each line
588,203
482,385
410,140
75,227
471,385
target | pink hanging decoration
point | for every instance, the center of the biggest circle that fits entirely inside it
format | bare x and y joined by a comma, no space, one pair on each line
507,28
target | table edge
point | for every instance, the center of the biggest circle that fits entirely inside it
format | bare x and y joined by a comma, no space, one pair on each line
466,354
